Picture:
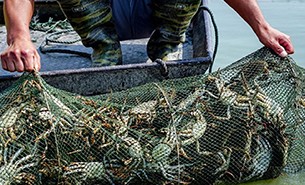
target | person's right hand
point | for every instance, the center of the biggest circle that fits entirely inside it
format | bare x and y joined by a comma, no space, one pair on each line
20,55
279,42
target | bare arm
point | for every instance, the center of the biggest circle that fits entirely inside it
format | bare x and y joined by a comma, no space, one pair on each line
250,11
21,54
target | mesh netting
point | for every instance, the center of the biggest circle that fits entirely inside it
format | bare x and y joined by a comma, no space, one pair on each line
242,123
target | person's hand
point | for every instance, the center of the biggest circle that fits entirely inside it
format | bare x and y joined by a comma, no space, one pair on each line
279,42
21,56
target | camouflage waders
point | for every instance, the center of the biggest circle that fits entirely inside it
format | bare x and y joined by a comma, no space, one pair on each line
92,20
172,18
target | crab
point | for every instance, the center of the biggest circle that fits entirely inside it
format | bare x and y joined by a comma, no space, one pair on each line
135,151
144,111
228,97
67,119
162,163
88,171
8,127
8,119
194,131
261,160
225,157
161,155
189,100
45,114
270,108
13,170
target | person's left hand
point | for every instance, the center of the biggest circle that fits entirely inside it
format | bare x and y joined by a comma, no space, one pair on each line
279,42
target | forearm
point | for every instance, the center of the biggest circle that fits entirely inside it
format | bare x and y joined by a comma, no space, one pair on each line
18,14
249,10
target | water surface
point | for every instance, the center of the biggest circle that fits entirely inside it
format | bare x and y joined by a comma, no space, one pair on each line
236,40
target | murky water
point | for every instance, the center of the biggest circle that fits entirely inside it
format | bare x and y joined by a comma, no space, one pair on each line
236,40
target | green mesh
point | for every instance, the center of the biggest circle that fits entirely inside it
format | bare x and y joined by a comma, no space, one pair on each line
241,123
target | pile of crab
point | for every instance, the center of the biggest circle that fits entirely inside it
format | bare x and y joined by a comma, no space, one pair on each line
224,130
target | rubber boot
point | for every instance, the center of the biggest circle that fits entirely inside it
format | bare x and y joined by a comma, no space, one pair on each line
92,20
172,18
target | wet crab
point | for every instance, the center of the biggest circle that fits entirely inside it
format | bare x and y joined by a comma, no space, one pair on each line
261,159
225,157
160,155
194,131
45,114
144,111
7,122
268,106
13,170
227,97
66,118
88,171
135,151
166,144
189,100
8,126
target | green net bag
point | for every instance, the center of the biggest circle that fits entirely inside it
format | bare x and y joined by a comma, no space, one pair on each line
241,123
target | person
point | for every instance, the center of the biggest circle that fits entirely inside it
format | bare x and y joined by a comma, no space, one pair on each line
101,27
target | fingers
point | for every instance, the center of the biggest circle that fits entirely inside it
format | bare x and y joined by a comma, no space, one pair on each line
10,66
279,50
4,63
20,61
37,64
287,44
279,42
8,63
28,60
283,45
283,49
283,54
